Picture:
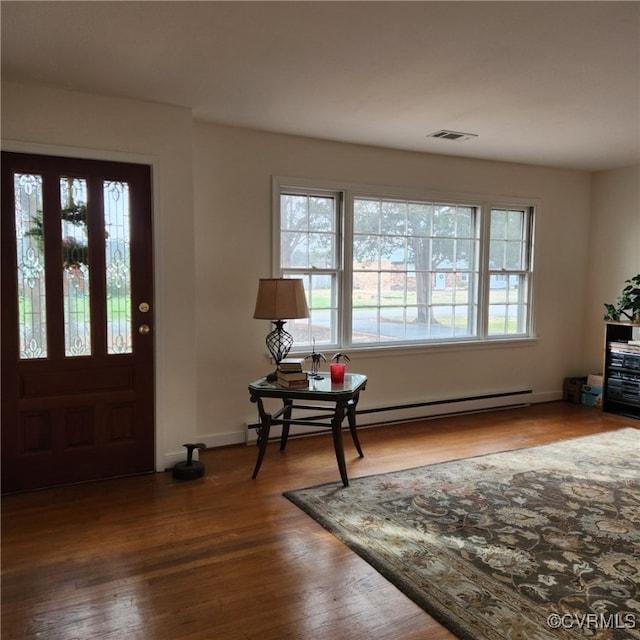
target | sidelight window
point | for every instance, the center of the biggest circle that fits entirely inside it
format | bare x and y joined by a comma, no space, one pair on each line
32,294
75,267
118,266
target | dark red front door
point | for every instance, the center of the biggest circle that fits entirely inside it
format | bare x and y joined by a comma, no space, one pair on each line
77,321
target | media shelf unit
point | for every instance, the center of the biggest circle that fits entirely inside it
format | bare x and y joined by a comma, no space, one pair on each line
621,380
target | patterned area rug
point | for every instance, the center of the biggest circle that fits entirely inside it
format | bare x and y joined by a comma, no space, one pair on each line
530,544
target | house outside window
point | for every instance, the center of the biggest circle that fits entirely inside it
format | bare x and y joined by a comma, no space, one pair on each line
384,271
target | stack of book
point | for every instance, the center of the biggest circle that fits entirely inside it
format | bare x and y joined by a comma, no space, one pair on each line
291,375
628,346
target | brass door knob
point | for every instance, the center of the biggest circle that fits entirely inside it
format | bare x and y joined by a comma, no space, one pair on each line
144,328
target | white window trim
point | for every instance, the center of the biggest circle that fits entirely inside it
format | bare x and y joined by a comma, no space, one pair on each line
485,202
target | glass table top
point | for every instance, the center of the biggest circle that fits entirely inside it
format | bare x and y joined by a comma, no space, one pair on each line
323,386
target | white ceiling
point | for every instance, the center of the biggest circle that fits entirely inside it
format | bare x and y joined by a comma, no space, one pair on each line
551,83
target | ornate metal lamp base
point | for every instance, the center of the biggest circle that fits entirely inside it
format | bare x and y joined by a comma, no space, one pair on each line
279,343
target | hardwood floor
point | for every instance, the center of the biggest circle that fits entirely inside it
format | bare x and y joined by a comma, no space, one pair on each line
227,557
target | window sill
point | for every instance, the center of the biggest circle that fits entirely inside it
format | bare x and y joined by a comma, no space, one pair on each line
379,351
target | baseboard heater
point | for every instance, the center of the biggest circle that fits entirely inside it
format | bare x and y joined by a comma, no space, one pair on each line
394,414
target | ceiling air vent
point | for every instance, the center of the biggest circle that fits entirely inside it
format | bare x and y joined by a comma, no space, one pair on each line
445,134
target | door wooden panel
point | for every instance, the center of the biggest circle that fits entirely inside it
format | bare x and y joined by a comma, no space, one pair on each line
77,375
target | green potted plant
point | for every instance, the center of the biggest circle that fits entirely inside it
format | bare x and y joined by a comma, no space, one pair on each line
627,306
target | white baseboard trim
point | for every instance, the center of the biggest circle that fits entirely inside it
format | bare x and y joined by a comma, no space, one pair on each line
172,458
211,441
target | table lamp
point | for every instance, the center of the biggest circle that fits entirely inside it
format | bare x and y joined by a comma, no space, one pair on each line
280,299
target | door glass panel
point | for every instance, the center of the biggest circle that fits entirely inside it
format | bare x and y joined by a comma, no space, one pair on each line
32,317
75,267
117,256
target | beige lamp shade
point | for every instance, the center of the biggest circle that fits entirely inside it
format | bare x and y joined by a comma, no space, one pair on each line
281,299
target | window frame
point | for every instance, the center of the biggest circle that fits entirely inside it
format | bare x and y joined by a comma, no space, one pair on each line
527,272
484,203
337,271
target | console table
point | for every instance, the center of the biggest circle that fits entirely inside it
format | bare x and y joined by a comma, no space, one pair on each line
339,401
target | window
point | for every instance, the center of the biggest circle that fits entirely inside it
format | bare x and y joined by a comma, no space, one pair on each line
385,271
310,249
414,271
509,272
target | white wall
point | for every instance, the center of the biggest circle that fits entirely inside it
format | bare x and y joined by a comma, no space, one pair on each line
232,177
213,241
614,251
39,120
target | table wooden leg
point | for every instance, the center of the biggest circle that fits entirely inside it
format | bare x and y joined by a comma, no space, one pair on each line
351,416
336,428
285,427
263,436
